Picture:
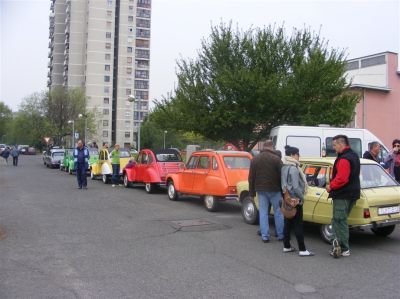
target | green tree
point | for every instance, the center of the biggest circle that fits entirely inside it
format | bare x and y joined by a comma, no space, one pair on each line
6,117
244,83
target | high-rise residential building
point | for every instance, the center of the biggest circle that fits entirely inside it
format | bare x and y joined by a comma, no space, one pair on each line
103,46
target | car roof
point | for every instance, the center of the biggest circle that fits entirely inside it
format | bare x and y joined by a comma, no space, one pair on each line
222,152
330,160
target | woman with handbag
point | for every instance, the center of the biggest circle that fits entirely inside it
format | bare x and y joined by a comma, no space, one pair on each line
294,186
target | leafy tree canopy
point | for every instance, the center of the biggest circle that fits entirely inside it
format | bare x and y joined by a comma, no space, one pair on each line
243,83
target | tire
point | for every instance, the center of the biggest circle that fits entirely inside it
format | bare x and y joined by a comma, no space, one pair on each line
92,176
150,188
383,231
127,183
105,179
211,203
249,211
326,232
172,193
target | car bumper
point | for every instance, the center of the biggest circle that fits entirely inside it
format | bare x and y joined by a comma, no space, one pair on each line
378,224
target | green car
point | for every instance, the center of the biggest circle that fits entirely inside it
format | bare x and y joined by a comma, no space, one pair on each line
93,157
67,156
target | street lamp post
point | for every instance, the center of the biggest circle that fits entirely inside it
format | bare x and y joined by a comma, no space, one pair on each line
132,99
85,130
73,132
165,133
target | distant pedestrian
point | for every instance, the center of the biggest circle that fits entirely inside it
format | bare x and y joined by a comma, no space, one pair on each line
344,189
115,162
5,154
392,161
15,154
94,145
105,145
81,164
373,152
294,181
265,181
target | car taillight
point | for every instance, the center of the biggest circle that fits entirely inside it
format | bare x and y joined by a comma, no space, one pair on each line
367,214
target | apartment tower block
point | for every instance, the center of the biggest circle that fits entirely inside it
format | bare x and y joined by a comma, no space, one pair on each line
103,46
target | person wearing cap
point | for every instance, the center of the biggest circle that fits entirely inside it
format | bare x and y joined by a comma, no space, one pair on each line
294,181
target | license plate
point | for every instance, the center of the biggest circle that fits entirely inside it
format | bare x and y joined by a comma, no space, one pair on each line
388,210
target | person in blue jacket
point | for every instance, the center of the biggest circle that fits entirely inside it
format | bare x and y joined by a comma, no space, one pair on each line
81,164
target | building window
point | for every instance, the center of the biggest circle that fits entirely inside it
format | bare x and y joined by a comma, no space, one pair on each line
142,53
144,3
143,33
129,49
128,60
142,43
107,67
139,84
128,81
108,56
108,46
143,64
127,124
109,24
143,23
129,39
106,89
142,74
109,3
128,114
109,13
108,34
130,8
143,13
106,78
141,94
130,18
129,70
106,101
105,123
106,111
128,91
352,65
127,134
105,133
377,60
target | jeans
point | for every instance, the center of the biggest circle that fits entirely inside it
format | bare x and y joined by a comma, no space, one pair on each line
341,211
296,223
265,200
15,161
81,175
115,174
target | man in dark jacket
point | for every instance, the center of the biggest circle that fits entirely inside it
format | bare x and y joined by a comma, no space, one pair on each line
373,152
81,164
265,181
344,189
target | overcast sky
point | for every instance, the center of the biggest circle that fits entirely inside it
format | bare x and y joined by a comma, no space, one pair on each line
360,27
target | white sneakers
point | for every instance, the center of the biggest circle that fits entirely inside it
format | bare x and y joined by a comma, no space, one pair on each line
301,253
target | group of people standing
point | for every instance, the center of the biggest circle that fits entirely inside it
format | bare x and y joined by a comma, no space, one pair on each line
271,175
13,152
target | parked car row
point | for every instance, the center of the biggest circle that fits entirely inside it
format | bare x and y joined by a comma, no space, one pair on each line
216,176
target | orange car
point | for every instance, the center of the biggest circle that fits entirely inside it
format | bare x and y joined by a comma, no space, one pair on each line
212,175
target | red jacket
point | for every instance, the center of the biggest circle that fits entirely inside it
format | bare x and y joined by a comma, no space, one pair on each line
343,173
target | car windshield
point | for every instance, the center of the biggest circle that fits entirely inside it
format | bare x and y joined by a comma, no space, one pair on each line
170,157
124,154
374,176
232,162
93,151
58,154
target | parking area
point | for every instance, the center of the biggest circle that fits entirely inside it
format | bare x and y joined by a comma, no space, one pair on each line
105,242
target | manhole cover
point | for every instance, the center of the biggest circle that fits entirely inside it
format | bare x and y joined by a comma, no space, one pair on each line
196,225
303,288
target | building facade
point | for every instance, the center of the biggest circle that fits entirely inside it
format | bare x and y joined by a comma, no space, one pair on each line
103,46
377,78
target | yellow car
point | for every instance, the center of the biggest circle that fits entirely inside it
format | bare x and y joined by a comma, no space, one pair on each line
102,167
378,207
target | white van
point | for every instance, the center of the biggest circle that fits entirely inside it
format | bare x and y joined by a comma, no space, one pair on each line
313,141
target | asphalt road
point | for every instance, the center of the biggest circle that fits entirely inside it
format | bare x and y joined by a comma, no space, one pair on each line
104,242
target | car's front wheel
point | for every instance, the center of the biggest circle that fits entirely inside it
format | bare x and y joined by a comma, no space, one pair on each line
149,187
127,184
326,231
105,179
172,193
383,231
211,203
249,211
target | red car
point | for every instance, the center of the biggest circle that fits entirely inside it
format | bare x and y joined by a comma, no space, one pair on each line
151,168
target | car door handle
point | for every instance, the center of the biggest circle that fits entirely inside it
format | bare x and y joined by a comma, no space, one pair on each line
318,193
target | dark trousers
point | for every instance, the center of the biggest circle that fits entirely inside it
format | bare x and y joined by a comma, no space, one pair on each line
296,223
15,161
341,211
115,175
81,175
